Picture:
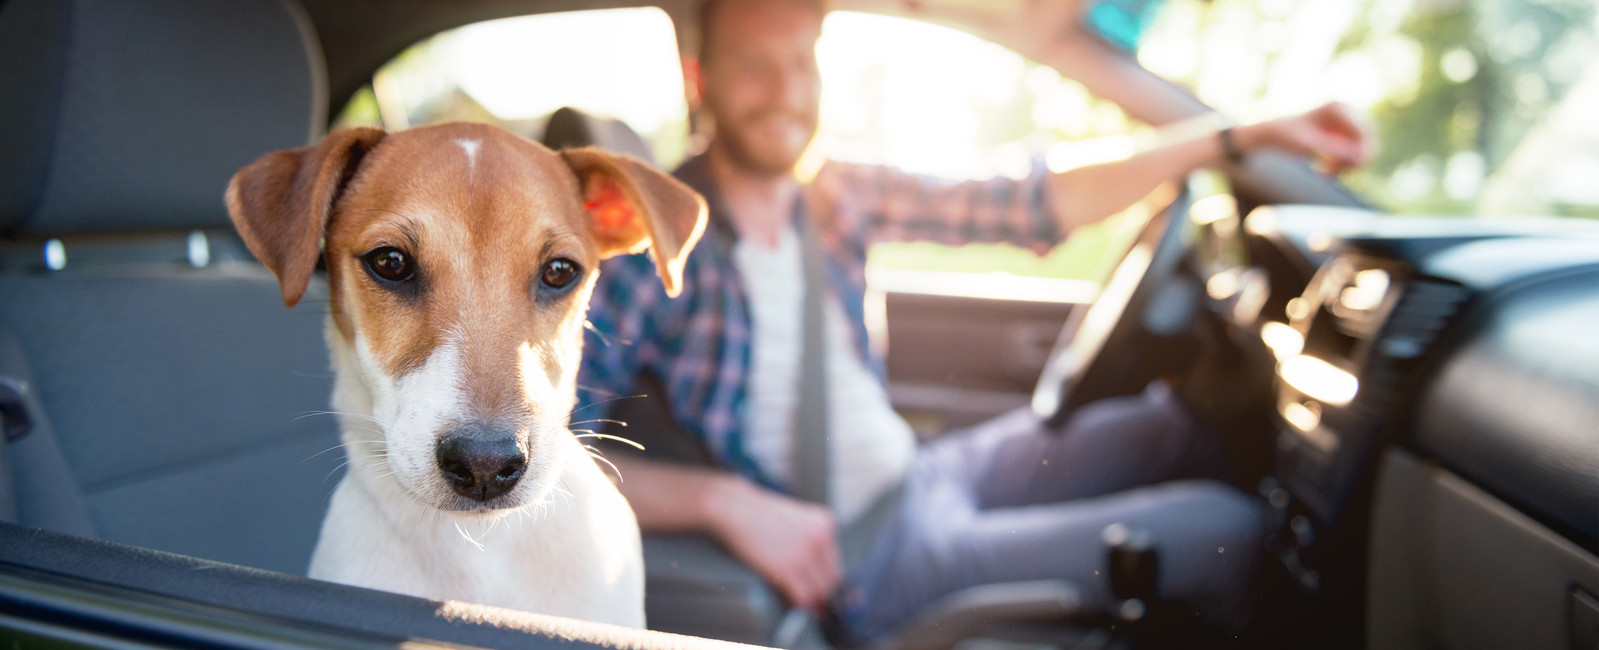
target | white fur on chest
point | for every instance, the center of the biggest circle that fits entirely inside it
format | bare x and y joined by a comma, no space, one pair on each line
576,554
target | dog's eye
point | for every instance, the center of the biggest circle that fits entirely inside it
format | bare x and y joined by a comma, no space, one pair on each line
559,273
390,264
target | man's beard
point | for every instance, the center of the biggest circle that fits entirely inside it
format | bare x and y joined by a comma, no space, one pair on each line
772,159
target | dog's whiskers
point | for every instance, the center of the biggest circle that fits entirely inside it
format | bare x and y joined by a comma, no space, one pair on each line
414,500
606,436
606,340
361,416
597,391
615,422
346,444
492,525
562,489
604,401
337,446
596,454
335,470
467,537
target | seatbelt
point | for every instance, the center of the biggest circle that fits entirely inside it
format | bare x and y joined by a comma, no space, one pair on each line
812,453
812,469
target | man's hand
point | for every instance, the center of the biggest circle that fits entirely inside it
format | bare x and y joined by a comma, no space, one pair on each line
1330,134
792,543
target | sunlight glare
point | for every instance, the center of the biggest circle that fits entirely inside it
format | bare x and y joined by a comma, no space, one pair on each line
902,92
639,63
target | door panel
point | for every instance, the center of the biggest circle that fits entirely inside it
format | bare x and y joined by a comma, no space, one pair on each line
956,359
1454,567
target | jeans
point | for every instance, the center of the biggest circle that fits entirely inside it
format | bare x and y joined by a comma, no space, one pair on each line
1010,500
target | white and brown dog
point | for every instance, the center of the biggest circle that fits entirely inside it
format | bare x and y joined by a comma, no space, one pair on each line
460,259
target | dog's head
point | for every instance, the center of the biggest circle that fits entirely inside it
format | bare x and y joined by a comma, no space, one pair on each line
460,259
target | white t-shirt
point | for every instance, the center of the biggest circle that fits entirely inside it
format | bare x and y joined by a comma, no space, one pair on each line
871,446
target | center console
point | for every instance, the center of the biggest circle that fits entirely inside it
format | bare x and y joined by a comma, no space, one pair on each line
1347,353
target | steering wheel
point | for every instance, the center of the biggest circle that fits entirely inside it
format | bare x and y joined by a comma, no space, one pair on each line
1138,328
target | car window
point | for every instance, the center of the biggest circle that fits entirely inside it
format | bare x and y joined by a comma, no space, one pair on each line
514,72
1480,106
939,101
924,98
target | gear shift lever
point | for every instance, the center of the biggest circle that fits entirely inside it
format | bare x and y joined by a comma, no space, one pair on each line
1134,568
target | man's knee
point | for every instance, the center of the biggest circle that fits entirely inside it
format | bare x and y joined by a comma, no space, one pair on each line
1151,421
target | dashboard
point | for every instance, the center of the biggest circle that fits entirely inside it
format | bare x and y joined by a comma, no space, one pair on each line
1423,334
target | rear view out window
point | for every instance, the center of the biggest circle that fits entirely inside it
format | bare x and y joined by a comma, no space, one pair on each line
910,94
1480,106
516,71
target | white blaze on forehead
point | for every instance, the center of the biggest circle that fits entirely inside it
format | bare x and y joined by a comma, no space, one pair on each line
470,147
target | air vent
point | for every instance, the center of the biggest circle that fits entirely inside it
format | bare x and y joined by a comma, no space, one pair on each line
1322,460
1423,311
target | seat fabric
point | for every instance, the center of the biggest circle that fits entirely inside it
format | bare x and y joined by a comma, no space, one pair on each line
170,382
176,398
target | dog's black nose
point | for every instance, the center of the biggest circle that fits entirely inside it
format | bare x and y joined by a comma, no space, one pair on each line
480,467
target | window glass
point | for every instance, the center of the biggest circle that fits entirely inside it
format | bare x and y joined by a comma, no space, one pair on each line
516,71
920,97
939,101
1480,106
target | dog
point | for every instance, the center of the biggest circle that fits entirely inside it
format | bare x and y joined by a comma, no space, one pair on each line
460,259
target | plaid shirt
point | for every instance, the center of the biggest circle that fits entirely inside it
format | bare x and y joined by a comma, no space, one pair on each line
699,343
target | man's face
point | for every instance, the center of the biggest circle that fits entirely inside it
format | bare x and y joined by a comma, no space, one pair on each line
761,84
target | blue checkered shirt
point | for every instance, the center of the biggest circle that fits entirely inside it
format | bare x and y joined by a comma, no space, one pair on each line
699,343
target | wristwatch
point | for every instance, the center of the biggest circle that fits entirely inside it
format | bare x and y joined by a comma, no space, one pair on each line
1229,145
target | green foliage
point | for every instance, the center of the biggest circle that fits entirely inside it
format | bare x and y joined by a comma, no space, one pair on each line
361,111
1466,95
1080,257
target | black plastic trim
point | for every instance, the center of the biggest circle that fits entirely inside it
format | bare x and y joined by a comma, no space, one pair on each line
121,591
1476,415
61,608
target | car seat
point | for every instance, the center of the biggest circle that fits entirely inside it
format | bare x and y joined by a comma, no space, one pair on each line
154,383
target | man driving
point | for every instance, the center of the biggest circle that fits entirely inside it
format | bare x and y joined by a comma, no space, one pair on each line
765,360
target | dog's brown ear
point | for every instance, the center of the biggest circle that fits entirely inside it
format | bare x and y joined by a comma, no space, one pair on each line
631,206
280,203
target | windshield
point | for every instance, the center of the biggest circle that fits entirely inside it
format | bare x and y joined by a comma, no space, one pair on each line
1480,106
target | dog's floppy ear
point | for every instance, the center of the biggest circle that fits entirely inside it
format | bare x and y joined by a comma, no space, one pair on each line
631,206
281,202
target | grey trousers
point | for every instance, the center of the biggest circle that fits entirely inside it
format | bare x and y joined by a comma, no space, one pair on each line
1011,501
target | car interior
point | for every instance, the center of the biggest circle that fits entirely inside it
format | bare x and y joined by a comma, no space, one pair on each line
1413,397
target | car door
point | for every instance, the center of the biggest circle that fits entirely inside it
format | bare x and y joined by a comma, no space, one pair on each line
957,357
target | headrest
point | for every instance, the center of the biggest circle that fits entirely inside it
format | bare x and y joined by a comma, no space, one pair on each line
569,128
132,115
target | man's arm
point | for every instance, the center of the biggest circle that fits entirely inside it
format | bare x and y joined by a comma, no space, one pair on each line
894,205
791,543
1087,194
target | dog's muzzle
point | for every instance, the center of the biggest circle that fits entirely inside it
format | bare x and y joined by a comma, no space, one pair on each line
480,465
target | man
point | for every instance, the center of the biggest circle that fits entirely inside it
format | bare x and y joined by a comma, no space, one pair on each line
1007,501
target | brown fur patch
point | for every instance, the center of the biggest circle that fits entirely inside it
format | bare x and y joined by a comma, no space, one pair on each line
479,223
478,236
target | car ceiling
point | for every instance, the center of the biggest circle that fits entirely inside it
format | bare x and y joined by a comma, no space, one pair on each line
358,36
